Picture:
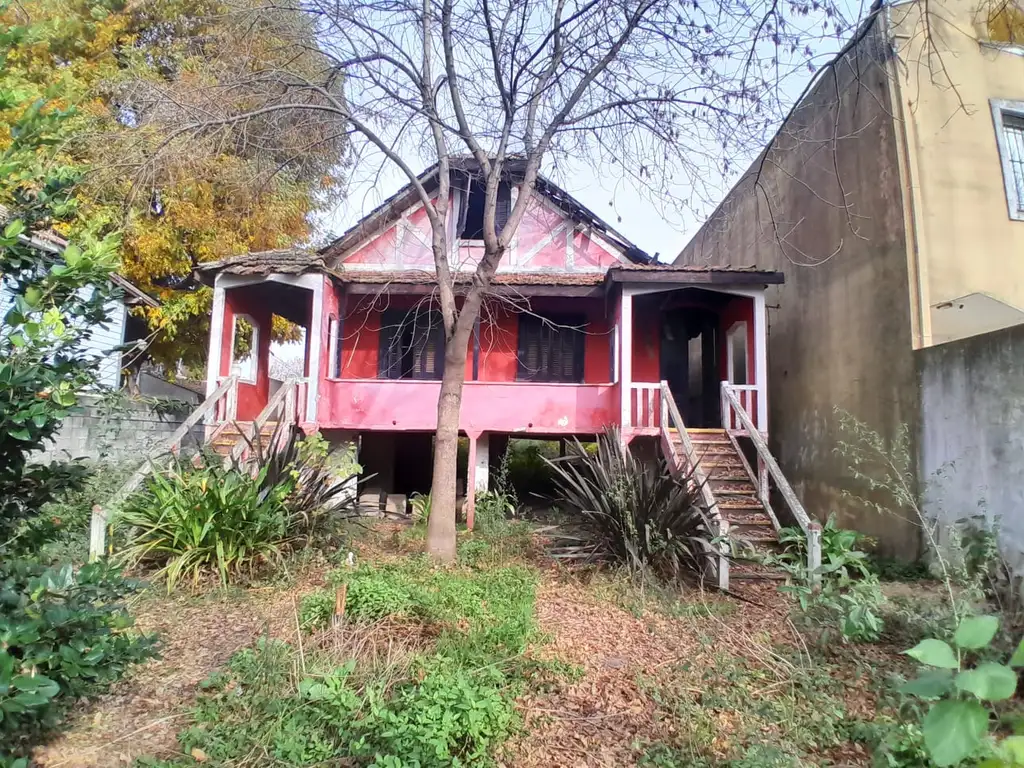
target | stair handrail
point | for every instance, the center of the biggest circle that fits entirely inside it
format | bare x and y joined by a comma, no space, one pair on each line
282,402
98,525
811,528
675,419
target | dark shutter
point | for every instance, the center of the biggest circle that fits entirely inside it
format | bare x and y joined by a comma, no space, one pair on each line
552,349
504,207
428,346
389,360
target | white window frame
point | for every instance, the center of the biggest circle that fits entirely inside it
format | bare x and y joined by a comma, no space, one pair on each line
254,354
1001,107
333,340
737,329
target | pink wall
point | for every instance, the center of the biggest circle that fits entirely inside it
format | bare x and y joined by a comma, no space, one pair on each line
251,397
518,408
499,336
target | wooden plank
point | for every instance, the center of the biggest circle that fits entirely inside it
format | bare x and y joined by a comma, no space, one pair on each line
679,277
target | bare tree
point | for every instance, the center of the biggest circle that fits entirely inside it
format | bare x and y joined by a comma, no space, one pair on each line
668,92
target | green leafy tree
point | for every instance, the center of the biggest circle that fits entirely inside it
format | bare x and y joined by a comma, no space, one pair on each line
59,296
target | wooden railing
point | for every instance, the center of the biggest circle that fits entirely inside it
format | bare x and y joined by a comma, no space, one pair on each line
768,470
287,405
746,395
220,405
672,420
645,406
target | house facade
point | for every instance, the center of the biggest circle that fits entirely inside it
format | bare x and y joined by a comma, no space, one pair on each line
580,331
893,198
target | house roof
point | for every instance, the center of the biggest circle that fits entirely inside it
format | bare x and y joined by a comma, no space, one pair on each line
285,261
392,208
425,277
49,241
688,273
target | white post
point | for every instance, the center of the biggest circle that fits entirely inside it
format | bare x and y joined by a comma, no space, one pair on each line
481,480
626,355
97,533
315,344
761,361
216,337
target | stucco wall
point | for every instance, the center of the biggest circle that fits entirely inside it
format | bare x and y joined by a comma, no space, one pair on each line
971,252
839,328
972,431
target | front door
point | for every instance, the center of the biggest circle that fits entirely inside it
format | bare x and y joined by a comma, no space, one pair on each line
689,363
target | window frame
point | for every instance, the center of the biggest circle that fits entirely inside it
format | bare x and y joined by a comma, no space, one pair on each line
1000,109
333,347
560,323
254,354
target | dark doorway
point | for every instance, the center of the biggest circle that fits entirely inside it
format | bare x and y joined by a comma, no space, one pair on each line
689,363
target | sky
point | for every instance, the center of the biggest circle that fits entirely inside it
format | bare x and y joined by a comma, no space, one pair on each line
656,226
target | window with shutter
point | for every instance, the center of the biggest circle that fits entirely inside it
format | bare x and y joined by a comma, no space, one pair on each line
411,345
551,349
471,212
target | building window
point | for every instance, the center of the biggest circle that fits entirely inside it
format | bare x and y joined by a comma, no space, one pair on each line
551,348
411,345
1009,123
471,209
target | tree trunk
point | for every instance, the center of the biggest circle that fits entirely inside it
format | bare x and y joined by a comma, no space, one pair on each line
441,523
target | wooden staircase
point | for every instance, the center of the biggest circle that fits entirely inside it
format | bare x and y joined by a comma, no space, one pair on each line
230,435
733,486
737,497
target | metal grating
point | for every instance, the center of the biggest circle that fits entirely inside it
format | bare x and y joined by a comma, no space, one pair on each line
1013,130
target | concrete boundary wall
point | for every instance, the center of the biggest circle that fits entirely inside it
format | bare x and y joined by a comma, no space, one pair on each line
122,430
971,451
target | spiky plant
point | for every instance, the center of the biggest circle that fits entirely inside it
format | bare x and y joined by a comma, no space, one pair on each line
634,513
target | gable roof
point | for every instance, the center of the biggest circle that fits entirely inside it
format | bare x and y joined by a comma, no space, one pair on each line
392,208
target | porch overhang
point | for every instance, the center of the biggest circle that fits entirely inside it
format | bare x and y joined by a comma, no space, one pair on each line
693,275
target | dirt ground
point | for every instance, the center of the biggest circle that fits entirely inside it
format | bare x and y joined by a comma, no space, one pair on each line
595,721
144,711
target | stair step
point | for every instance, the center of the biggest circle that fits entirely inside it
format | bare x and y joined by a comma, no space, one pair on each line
739,502
751,572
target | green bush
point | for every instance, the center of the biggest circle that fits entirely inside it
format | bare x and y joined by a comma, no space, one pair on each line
192,521
636,513
63,635
957,725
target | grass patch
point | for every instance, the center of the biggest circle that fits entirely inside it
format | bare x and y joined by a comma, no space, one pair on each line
423,672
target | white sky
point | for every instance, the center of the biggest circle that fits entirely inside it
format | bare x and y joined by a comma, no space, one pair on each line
663,228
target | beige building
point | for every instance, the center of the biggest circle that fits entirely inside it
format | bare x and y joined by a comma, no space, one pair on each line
893,200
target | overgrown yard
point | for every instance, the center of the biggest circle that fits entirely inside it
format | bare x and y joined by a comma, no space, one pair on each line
505,657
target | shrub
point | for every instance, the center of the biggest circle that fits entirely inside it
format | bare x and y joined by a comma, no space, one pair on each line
189,522
63,635
957,724
635,513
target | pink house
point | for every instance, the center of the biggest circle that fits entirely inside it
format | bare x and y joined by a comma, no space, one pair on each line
582,331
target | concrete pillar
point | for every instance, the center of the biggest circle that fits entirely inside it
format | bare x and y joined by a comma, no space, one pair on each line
483,456
471,480
626,360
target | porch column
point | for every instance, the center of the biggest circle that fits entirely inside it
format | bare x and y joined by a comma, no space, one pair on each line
216,338
761,360
471,480
625,357
317,333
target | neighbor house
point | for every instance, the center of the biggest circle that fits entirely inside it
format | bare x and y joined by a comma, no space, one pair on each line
105,341
893,198
581,331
